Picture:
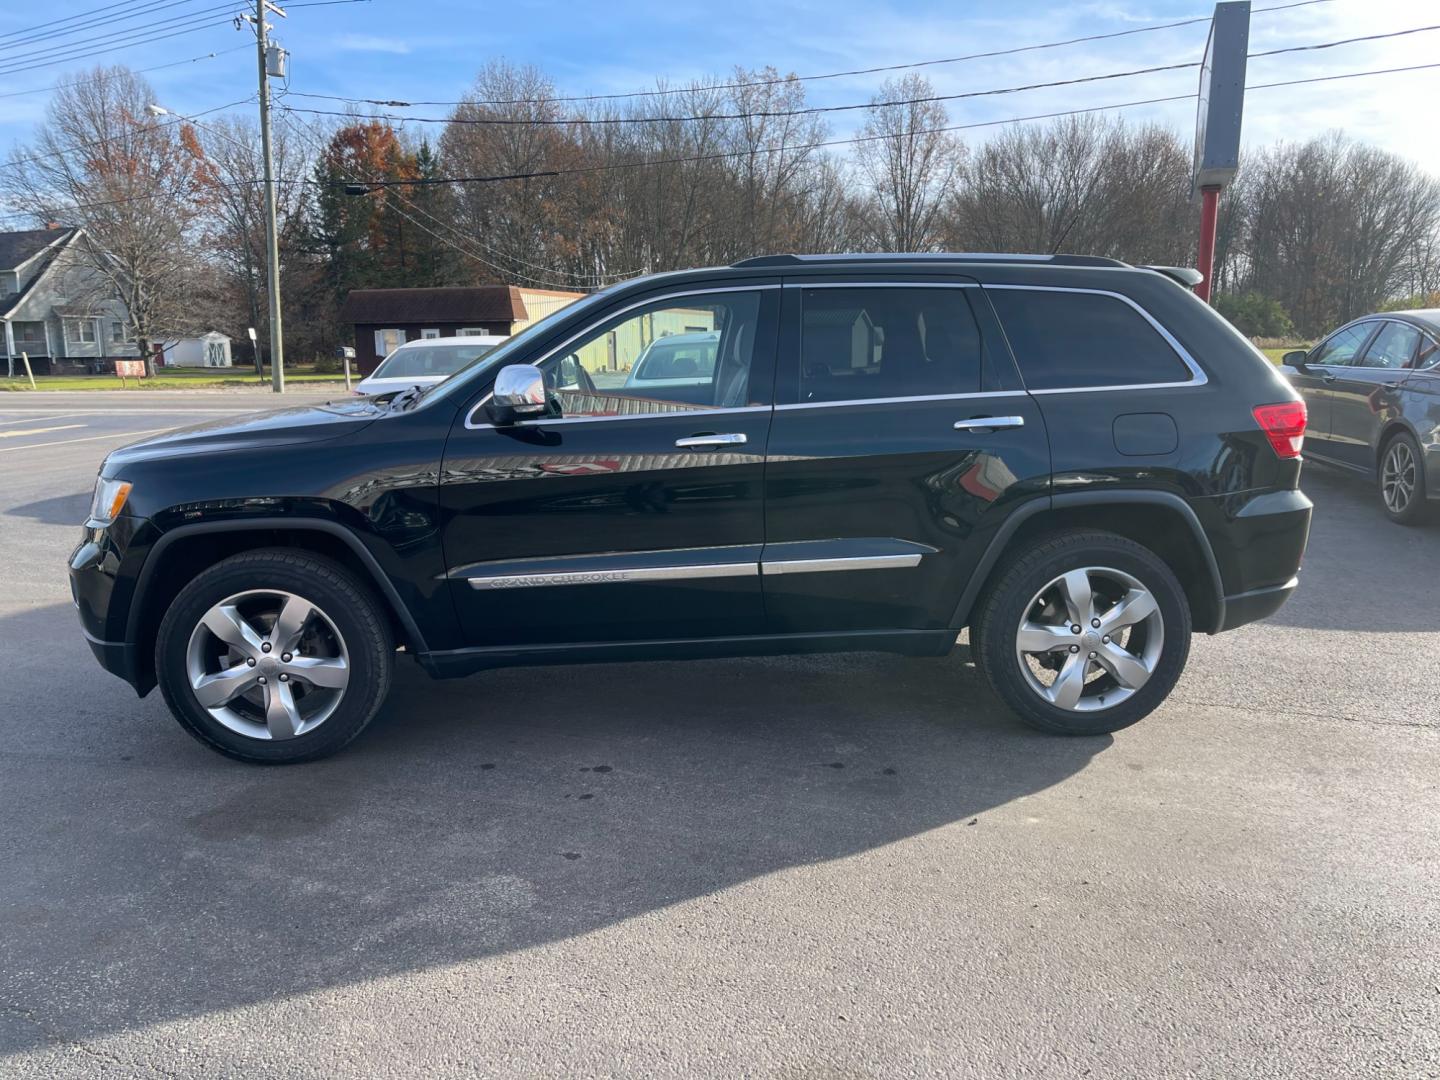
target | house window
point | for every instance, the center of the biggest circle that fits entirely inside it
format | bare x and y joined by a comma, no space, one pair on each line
472,331
387,341
30,333
80,330
428,335
117,333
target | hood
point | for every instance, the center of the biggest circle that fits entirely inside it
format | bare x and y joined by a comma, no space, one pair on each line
302,424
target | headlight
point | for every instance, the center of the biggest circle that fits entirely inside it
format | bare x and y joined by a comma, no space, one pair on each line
110,496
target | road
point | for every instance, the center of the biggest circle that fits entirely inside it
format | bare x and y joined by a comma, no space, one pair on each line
851,866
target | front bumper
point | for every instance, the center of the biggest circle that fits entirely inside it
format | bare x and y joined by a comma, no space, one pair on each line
94,571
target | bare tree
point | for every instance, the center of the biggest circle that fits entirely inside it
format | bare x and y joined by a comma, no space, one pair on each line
136,185
908,165
234,221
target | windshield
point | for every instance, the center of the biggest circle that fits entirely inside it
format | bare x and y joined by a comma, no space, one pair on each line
418,361
513,346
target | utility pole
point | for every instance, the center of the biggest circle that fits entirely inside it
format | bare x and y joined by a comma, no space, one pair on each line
272,240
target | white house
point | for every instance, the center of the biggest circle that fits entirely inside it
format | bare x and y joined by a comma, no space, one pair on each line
206,350
54,308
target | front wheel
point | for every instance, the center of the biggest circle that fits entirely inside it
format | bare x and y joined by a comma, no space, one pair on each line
1083,633
274,656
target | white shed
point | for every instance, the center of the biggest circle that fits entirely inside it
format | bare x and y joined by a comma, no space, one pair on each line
206,350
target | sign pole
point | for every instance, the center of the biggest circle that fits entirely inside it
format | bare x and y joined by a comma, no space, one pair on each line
1217,124
1209,215
25,359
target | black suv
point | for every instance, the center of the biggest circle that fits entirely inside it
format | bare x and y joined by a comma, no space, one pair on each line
1073,457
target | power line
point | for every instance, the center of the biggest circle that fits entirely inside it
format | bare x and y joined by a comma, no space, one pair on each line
796,78
67,18
296,126
581,121
549,173
1343,41
117,38
141,71
144,8
761,113
768,150
71,148
111,47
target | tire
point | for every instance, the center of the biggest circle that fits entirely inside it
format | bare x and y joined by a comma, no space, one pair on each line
1034,589
1401,482
316,697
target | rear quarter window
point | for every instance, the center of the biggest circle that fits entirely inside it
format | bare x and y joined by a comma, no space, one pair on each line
1067,340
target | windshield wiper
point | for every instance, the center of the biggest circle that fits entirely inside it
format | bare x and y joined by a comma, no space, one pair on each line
407,397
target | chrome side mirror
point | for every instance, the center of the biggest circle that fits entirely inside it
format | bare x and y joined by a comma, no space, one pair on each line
519,393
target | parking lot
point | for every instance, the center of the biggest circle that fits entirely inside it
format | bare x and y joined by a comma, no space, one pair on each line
845,866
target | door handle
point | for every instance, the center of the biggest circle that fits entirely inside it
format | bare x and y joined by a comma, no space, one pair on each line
711,442
1328,376
989,423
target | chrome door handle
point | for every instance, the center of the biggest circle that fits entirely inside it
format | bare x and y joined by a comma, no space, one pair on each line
989,423
710,442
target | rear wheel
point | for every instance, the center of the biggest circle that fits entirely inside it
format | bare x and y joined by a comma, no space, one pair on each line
1402,481
274,656
1083,633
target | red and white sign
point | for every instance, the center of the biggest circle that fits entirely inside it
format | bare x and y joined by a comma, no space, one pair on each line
130,369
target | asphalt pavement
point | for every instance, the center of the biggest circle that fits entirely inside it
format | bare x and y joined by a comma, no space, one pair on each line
837,866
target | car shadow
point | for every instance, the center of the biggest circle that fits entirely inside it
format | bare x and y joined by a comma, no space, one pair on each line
1361,570
60,510
149,879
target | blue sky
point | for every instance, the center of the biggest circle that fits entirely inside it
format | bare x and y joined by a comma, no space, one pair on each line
432,48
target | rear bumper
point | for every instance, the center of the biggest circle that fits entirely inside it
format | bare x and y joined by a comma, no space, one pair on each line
1257,604
1258,541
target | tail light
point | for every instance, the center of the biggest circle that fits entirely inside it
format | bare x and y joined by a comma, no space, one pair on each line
1284,425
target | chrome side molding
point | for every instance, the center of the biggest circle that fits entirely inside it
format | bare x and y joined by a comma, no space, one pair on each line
788,557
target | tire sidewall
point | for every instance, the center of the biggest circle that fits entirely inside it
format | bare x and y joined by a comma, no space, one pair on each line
326,585
1030,573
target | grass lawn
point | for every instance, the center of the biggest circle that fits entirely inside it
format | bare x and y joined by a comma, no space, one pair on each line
174,379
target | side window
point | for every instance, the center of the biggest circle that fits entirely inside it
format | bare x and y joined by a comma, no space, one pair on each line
1393,347
1428,354
1064,340
864,343
1340,348
679,355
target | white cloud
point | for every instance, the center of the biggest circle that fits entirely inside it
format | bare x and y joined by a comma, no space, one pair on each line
370,43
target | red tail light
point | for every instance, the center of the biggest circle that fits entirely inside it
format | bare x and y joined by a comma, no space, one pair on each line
1284,426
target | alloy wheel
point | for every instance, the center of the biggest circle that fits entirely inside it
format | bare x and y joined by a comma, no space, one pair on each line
1090,639
267,664
1397,477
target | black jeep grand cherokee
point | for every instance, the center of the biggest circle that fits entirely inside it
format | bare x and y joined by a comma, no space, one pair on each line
1075,458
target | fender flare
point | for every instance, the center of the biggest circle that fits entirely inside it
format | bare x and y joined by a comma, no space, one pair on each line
1026,511
288,524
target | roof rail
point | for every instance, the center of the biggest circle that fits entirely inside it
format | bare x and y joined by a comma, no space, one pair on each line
928,256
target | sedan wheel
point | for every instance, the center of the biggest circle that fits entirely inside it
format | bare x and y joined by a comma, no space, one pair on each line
1397,477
